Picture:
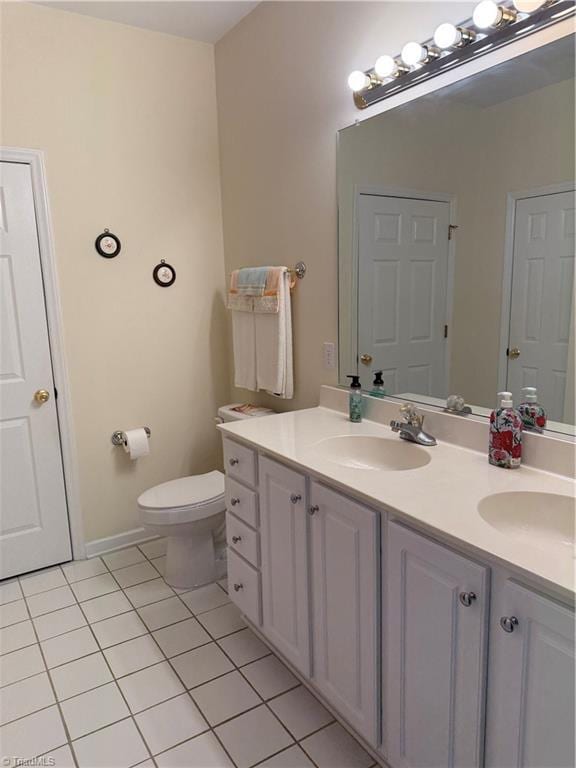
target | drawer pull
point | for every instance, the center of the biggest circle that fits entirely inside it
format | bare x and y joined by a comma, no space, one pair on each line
233,461
238,587
234,501
313,509
236,539
467,598
295,498
508,623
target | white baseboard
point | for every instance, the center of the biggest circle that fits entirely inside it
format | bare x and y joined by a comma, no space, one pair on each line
120,540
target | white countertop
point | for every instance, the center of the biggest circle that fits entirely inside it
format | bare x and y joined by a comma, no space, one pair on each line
442,496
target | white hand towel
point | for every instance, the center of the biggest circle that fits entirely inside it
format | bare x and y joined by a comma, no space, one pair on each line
274,363
244,343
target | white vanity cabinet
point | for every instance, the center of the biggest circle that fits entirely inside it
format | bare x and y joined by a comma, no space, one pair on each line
434,658
284,556
344,555
434,642
530,721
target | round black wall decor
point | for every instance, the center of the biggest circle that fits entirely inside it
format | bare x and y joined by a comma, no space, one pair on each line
164,274
108,245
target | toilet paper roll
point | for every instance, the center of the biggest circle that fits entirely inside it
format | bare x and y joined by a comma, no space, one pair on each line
137,443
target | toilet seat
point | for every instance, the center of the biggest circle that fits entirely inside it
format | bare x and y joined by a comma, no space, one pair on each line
185,500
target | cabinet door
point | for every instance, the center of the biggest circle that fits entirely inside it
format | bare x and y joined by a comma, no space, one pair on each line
530,720
435,641
283,542
344,564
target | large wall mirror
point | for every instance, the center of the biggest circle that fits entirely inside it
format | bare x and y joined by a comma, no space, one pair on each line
456,239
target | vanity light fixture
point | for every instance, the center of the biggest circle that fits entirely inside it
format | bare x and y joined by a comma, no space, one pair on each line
448,36
489,14
414,54
492,26
358,81
388,66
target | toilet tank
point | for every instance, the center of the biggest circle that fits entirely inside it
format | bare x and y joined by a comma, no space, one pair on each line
238,411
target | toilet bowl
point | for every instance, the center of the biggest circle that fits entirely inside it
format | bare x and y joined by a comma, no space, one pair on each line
190,513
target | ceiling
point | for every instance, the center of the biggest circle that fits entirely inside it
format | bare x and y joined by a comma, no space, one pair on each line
204,21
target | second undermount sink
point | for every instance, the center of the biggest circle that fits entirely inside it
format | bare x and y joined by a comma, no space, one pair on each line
546,519
376,453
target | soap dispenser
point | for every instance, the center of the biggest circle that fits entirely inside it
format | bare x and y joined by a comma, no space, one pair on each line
355,400
378,385
532,413
505,442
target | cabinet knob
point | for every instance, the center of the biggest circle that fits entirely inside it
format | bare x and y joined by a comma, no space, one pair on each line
508,623
234,500
313,509
467,598
236,539
238,587
233,461
295,498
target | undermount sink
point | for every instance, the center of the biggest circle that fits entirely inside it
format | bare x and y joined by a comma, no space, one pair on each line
376,453
546,519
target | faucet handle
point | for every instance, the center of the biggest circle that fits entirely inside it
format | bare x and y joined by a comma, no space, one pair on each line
410,413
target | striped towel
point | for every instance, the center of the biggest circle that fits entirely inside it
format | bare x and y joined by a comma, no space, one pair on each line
267,302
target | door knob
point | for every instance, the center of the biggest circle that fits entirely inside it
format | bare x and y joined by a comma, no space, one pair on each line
236,539
514,353
295,498
313,509
41,396
366,359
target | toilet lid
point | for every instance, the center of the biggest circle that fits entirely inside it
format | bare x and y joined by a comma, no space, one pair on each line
192,491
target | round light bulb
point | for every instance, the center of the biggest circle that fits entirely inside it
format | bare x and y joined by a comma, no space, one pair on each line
385,66
447,36
487,14
413,53
358,81
528,6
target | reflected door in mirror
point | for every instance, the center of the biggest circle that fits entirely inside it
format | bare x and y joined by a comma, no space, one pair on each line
402,288
541,314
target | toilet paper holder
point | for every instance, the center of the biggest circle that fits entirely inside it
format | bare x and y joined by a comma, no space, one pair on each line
119,437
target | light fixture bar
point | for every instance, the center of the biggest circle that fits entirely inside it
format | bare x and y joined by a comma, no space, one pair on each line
547,14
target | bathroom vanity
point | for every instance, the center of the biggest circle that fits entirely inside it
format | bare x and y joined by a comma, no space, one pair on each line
426,596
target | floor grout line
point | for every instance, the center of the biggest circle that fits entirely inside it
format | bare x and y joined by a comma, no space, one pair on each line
165,659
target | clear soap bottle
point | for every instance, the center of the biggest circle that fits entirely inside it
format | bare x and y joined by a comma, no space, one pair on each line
355,400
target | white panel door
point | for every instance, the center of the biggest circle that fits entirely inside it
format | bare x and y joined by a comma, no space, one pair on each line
284,554
33,514
530,722
434,646
403,272
344,553
541,315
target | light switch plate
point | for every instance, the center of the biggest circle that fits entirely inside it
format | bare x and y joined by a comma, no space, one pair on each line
329,355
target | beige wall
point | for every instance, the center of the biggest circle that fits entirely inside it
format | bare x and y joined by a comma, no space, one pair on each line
282,96
478,155
127,121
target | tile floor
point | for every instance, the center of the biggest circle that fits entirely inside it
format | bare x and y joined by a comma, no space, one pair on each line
103,665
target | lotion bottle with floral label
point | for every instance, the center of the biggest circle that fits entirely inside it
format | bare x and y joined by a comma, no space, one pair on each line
505,447
532,414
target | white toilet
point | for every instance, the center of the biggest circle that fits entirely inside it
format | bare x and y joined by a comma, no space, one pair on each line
190,512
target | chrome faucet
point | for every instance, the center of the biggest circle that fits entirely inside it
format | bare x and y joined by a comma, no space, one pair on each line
411,428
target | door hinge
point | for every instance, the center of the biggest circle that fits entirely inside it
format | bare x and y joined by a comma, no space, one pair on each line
445,331
55,393
451,228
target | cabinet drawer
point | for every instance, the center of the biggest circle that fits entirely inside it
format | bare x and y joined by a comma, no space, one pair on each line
240,462
242,501
242,539
244,587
